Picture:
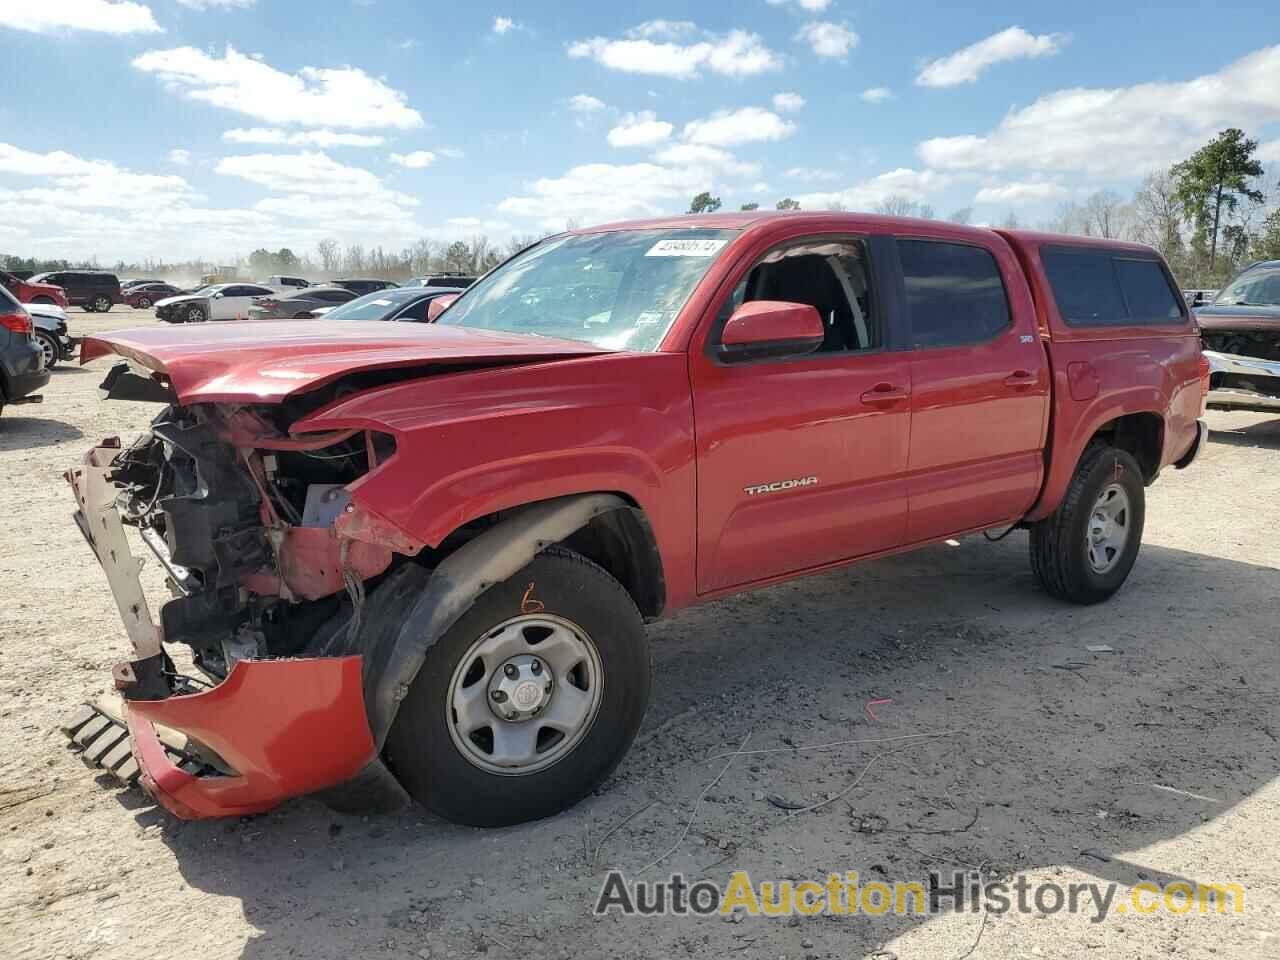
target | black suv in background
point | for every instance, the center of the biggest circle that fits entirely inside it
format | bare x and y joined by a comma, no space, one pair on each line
93,290
22,369
361,287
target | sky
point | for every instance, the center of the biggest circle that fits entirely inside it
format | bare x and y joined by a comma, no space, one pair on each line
172,129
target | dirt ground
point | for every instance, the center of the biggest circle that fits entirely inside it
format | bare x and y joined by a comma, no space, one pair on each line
1049,770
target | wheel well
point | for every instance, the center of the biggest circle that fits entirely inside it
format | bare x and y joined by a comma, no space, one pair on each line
622,542
1141,435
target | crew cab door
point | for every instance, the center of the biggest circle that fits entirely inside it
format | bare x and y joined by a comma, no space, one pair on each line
980,385
801,460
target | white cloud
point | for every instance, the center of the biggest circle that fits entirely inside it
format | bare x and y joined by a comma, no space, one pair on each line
915,185
811,174
1020,192
585,103
828,39
1269,152
727,128
503,25
302,138
710,159
642,129
317,96
95,16
1119,131
876,94
965,65
450,153
416,160
810,6
178,157
477,223
787,102
309,173
653,48
597,192
76,182
215,4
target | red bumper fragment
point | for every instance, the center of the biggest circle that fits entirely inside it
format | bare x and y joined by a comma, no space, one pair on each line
287,727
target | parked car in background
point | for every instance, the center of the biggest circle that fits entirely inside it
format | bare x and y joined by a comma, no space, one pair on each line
1198,298
94,291
27,291
1240,331
146,295
403,303
283,284
444,280
299,303
130,284
51,332
218,301
361,287
22,370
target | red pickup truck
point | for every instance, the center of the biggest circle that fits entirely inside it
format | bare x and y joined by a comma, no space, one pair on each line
415,560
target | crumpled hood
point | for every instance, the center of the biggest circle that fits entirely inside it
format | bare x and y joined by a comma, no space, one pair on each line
175,298
1237,318
266,361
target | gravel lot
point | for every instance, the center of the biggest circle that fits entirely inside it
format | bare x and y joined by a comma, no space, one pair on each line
1056,753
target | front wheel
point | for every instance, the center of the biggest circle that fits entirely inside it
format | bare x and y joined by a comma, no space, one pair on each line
102,304
49,347
1084,550
529,701
196,315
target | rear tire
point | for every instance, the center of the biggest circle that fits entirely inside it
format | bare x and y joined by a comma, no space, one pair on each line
460,766
144,303
102,304
1083,552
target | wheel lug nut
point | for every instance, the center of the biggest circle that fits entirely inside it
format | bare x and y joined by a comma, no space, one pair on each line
499,696
536,667
511,671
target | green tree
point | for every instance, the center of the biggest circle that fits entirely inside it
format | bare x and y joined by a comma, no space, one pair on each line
750,206
457,257
786,203
1266,245
1213,180
704,203
286,259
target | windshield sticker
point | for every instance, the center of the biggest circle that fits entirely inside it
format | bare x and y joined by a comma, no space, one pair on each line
650,318
381,303
686,248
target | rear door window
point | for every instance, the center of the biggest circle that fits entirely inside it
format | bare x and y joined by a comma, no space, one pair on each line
955,294
1104,288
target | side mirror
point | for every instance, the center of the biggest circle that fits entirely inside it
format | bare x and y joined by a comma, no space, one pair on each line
219,295
771,328
439,305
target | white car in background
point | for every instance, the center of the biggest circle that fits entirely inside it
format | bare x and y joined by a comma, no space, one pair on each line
218,301
282,284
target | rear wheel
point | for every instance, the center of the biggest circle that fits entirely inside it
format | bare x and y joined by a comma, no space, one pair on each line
102,304
1084,551
144,303
49,347
529,701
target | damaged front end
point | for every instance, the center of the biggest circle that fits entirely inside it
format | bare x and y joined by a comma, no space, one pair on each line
1244,367
267,560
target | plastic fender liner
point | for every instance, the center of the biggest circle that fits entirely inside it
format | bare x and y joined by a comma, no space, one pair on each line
395,656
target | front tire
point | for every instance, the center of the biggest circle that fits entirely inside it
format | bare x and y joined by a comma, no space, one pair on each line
49,347
195,315
1083,552
529,701
102,305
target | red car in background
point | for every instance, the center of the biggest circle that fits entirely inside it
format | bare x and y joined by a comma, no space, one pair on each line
27,292
145,295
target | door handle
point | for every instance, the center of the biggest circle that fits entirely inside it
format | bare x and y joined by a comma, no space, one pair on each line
883,394
1021,380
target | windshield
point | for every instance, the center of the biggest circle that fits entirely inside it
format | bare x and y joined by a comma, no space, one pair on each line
1257,287
620,290
372,306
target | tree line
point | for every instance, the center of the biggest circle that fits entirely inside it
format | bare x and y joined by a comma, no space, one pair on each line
1210,215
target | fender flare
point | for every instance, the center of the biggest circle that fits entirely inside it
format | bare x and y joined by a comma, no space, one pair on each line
432,601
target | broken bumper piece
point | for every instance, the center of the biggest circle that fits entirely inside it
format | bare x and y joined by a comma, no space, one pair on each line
1243,383
281,728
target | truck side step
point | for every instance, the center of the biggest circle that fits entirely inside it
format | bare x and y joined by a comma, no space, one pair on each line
98,731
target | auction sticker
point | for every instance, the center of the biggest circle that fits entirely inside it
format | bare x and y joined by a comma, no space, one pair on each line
694,247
